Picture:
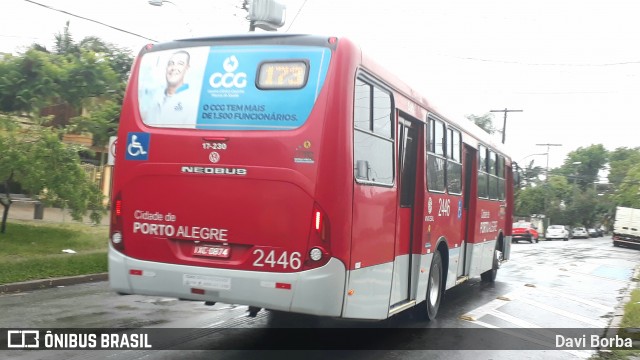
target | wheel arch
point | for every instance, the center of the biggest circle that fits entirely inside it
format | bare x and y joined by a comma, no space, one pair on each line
443,248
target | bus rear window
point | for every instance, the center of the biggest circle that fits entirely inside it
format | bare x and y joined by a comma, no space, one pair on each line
231,87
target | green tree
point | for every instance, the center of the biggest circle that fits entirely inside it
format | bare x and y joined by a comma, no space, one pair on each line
85,77
64,43
119,59
530,175
530,200
46,169
484,121
628,192
621,160
583,208
101,121
29,82
583,165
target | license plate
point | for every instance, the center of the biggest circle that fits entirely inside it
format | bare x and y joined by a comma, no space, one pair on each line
207,282
212,251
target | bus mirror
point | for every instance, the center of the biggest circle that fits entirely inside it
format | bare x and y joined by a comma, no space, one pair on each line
362,169
517,175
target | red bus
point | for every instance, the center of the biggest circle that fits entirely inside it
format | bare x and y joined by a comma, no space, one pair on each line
293,173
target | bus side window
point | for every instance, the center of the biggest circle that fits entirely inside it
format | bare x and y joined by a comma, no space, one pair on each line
483,177
454,163
436,161
373,145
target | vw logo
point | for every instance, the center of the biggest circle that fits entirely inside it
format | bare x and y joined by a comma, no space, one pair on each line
214,157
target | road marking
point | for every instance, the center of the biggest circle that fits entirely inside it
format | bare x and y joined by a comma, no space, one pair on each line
482,310
570,315
514,320
571,297
524,295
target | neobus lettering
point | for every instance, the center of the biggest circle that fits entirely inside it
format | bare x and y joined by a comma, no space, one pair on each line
213,170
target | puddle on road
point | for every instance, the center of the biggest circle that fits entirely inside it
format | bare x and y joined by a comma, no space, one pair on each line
614,273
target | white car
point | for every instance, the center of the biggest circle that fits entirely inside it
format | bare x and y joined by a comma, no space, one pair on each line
580,232
557,232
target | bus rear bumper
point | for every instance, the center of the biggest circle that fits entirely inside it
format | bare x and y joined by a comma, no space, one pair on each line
317,292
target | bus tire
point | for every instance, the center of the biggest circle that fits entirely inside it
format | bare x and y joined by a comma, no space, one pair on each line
490,275
434,287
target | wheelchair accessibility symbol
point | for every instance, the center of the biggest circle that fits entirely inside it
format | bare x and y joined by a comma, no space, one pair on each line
137,146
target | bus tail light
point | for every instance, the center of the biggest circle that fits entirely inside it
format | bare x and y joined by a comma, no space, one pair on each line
319,244
317,220
320,224
116,223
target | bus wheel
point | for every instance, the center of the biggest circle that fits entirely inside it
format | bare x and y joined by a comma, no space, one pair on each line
490,275
434,287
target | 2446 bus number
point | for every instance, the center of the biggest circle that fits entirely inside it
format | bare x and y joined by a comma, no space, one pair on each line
284,259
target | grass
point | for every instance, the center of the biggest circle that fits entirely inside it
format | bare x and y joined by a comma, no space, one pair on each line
630,321
31,251
631,317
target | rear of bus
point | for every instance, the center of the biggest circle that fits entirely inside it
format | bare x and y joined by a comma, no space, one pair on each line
216,177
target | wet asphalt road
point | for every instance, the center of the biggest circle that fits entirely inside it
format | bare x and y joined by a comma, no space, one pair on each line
544,286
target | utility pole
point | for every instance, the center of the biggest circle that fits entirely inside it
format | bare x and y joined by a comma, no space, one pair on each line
504,124
546,174
546,183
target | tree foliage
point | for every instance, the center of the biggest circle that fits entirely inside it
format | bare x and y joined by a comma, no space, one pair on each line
628,192
574,194
530,175
530,200
47,170
87,76
485,122
73,74
101,121
583,165
621,161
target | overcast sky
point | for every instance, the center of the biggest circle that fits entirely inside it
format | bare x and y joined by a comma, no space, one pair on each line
572,66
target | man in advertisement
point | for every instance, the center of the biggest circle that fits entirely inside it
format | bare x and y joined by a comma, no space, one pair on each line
172,107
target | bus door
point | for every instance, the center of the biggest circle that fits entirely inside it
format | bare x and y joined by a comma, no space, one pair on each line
468,201
408,132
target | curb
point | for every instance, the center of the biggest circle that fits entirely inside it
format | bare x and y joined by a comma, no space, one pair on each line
51,283
614,325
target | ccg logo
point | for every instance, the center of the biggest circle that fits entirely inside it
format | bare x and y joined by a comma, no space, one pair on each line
230,79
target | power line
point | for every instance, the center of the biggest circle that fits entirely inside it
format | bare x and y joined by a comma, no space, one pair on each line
91,20
296,16
618,63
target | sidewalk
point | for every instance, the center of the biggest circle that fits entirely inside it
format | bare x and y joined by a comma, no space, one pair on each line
26,211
